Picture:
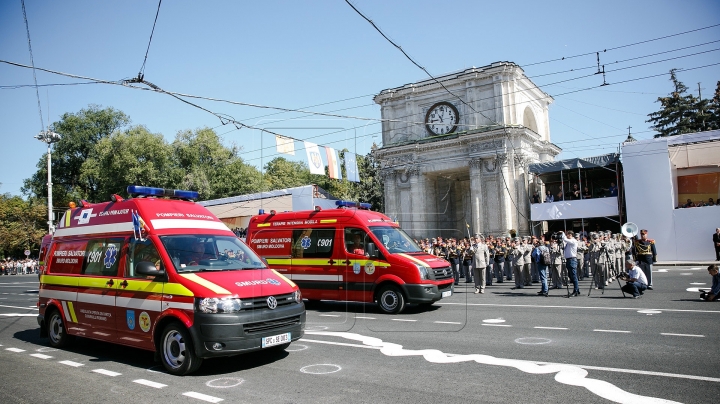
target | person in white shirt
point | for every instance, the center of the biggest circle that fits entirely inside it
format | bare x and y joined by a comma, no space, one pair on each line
636,280
570,253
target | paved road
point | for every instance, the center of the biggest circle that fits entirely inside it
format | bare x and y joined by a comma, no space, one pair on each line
503,346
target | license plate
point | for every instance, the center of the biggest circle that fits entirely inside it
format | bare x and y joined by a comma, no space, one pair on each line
447,293
276,340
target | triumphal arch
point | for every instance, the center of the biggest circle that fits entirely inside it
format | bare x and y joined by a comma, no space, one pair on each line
456,150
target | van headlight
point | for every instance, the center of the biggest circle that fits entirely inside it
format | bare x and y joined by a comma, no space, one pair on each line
297,296
218,305
423,270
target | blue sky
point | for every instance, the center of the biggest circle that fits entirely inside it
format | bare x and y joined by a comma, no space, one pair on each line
296,54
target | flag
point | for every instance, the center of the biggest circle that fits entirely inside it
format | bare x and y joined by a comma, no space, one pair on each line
351,168
314,160
285,145
332,159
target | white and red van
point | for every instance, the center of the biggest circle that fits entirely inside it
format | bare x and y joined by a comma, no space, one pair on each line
160,272
350,254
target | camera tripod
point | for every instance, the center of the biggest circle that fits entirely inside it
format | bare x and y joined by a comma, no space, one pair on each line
597,276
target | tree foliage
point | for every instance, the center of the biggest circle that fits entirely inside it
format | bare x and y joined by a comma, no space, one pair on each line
684,113
22,225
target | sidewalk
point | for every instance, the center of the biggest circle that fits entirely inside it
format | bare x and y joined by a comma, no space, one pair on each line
703,264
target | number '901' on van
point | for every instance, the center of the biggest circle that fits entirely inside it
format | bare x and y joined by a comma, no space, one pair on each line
350,254
160,272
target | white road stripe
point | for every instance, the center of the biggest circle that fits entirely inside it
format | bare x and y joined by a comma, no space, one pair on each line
497,325
366,318
329,315
149,383
551,328
16,307
203,397
106,372
620,331
14,349
71,363
338,343
572,307
446,322
402,319
18,314
682,335
41,356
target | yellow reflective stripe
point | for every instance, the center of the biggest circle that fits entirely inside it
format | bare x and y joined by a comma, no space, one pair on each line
206,283
365,262
176,289
279,261
263,225
291,283
415,260
328,220
59,280
71,309
68,214
318,262
143,286
94,283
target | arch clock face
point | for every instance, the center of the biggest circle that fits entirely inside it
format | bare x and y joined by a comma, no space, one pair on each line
442,118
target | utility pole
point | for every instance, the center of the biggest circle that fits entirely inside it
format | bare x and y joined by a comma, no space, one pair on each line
49,137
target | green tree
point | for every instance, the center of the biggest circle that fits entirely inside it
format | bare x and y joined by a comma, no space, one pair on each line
679,113
80,132
370,189
281,173
713,110
22,225
132,157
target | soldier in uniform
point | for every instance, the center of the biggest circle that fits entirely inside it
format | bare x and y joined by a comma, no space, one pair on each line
490,262
644,251
581,250
468,254
453,256
516,257
609,257
480,261
508,259
556,255
526,250
500,253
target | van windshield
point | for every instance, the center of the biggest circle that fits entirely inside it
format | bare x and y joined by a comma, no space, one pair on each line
197,253
395,239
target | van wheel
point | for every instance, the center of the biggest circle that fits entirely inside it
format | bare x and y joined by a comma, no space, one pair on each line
57,332
177,351
391,300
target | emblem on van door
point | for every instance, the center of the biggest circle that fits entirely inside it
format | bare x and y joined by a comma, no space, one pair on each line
272,302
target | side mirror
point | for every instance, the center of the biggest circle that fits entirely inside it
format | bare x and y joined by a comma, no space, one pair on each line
146,268
372,250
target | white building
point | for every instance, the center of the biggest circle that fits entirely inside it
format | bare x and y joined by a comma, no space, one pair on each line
660,175
451,159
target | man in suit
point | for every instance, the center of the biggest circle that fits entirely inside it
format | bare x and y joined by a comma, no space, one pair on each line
716,243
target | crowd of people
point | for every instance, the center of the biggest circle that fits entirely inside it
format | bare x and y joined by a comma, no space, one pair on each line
240,232
553,260
698,204
18,267
573,193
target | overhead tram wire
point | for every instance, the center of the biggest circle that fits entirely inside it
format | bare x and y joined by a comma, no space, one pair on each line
141,74
18,86
32,62
621,46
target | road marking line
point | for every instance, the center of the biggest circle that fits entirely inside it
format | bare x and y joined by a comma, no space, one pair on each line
204,397
682,335
106,372
571,307
401,319
366,318
551,328
150,383
18,315
337,343
329,315
14,349
71,363
620,331
41,356
446,322
497,325
16,307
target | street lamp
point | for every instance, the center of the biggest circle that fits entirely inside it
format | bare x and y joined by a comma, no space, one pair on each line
49,137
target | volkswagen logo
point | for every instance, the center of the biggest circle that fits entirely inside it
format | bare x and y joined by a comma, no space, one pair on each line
272,302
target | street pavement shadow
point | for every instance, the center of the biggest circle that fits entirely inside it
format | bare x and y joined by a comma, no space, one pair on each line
330,306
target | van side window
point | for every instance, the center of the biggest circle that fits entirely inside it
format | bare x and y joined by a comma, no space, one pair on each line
142,251
102,257
356,240
313,243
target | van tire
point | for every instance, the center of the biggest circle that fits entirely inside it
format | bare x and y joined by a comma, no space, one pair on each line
177,352
59,338
390,299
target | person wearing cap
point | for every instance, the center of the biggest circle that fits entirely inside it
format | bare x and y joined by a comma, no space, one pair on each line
491,261
526,249
645,252
481,257
636,281
468,253
500,253
507,268
556,257
537,254
581,250
453,256
516,254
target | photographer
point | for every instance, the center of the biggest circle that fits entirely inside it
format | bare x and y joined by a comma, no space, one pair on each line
570,253
712,295
636,280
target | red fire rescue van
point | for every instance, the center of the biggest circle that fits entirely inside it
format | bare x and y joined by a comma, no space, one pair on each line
350,254
161,273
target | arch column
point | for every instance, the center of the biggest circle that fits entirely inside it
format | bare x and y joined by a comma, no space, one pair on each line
476,196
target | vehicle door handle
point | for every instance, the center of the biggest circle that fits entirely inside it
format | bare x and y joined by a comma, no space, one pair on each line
110,282
124,284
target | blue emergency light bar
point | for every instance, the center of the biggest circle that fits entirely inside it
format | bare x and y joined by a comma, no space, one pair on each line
351,204
138,190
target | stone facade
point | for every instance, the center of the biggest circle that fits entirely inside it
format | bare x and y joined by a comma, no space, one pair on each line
477,174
